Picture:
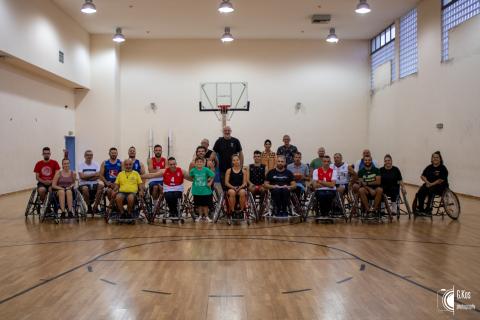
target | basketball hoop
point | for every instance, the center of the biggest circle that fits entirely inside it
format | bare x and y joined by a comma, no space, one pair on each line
224,108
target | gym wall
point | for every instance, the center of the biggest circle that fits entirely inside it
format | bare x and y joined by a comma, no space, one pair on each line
403,116
331,82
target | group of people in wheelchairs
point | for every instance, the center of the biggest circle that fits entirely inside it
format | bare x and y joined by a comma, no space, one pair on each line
276,186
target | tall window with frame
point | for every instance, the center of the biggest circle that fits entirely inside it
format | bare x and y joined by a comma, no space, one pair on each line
455,12
408,44
383,50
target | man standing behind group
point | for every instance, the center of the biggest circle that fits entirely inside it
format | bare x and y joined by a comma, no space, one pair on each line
317,162
44,172
287,150
225,147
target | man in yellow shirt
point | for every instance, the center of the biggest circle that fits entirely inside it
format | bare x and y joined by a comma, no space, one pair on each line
128,184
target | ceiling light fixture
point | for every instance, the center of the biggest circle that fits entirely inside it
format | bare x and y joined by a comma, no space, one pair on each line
363,7
332,37
88,7
118,37
225,7
227,36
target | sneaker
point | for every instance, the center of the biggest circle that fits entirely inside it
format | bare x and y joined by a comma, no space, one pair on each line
209,220
198,219
70,214
62,215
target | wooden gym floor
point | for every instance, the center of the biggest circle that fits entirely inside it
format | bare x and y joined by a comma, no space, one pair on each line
266,271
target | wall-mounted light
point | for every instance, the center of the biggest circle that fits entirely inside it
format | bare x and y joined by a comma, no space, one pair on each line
88,7
225,7
118,37
363,7
227,36
332,37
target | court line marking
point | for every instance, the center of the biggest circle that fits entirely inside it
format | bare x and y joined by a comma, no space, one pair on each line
154,291
345,280
222,260
296,291
108,281
242,235
392,273
225,296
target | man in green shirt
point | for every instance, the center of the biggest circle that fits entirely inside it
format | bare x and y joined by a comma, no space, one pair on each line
202,188
317,162
370,185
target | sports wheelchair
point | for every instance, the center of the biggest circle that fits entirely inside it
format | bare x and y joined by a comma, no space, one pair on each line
443,204
50,208
357,211
34,205
160,212
222,210
140,212
337,210
295,209
400,205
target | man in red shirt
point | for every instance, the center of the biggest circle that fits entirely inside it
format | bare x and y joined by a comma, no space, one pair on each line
44,172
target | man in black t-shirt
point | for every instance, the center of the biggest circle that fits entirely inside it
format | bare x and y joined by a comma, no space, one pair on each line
280,182
225,147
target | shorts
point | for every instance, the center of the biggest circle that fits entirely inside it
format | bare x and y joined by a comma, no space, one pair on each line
126,194
41,185
91,187
202,201
155,183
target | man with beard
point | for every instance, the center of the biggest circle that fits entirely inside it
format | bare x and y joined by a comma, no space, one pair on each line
109,170
44,172
280,182
156,163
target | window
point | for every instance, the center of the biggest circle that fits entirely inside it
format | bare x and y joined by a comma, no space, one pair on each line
381,56
408,44
454,13
383,38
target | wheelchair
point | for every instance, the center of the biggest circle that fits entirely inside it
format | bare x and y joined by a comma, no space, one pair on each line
50,208
102,205
400,205
337,211
222,210
34,205
140,212
443,204
357,211
295,209
161,212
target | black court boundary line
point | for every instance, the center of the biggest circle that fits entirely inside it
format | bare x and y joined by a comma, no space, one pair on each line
158,292
222,260
344,280
108,281
225,295
241,235
392,273
296,291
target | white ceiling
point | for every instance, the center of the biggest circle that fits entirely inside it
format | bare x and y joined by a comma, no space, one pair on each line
252,19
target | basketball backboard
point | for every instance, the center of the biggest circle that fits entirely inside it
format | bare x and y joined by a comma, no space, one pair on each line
216,94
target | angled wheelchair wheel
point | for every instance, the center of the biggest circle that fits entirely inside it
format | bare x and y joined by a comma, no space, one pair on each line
451,204
30,209
218,208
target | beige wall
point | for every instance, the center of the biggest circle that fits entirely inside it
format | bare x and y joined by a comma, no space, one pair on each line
35,30
330,81
33,116
403,117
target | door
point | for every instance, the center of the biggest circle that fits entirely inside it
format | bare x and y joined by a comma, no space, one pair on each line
70,148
